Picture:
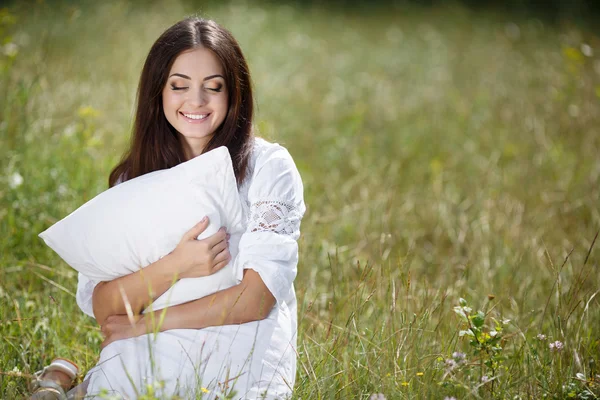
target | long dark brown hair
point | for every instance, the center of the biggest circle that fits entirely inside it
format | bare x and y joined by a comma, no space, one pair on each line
155,144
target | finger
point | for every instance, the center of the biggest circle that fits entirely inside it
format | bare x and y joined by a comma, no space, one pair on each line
109,340
222,256
196,229
217,237
219,247
113,337
218,266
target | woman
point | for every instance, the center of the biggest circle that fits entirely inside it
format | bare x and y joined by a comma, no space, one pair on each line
195,95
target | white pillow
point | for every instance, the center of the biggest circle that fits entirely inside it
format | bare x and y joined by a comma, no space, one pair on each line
135,223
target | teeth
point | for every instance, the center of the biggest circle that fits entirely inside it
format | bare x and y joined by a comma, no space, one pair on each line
196,116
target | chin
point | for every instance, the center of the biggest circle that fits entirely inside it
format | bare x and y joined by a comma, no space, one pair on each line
195,136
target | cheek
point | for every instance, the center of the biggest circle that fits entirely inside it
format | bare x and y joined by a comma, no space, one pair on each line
169,108
168,102
223,105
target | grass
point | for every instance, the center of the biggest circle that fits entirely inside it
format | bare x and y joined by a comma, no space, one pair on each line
446,154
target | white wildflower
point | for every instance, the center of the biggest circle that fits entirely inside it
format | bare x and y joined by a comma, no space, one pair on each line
587,50
15,180
70,130
556,346
10,49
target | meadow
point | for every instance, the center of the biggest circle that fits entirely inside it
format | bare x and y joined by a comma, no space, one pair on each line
451,164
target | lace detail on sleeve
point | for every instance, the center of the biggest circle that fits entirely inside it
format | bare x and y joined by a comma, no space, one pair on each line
275,216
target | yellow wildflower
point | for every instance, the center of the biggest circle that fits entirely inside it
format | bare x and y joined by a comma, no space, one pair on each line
88,112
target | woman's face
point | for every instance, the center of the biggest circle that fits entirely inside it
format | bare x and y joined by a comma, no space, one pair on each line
195,98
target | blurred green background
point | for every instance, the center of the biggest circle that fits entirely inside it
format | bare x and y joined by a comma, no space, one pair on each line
448,150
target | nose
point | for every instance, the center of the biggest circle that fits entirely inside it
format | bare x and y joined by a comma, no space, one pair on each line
198,97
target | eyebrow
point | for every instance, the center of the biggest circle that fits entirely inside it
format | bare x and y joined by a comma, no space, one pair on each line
205,79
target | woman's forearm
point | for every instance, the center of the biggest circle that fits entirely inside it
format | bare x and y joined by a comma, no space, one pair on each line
248,301
138,290
191,258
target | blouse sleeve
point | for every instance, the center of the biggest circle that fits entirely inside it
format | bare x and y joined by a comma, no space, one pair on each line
276,206
86,286
85,289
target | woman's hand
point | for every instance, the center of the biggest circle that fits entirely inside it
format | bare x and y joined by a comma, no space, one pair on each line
191,258
197,258
117,327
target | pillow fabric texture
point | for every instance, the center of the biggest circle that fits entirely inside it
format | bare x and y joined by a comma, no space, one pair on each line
139,221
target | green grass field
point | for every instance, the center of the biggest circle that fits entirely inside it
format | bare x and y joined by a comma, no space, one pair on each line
446,154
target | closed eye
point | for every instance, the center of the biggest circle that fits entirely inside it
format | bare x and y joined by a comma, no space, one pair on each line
217,89
173,87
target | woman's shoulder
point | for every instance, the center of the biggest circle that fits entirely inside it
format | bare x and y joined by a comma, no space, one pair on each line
264,151
272,166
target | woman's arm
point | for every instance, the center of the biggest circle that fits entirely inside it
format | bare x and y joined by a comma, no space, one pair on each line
137,290
269,247
248,301
191,258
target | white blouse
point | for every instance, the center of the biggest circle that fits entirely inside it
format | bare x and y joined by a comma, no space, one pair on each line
254,359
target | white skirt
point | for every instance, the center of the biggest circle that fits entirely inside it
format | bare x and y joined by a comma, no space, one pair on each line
255,360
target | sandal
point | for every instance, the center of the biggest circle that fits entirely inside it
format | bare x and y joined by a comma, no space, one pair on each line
51,389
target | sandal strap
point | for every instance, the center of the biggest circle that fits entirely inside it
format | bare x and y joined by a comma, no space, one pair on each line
37,378
50,386
65,366
39,383
58,364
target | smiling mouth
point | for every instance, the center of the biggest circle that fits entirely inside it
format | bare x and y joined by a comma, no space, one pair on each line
195,117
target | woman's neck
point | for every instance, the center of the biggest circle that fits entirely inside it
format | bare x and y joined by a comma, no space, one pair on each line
194,149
